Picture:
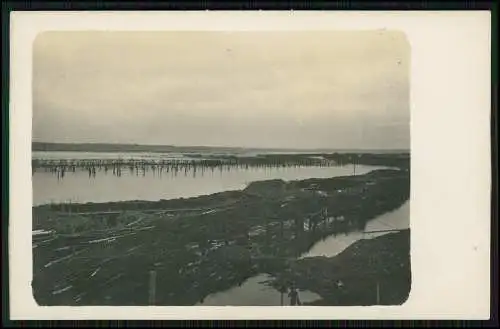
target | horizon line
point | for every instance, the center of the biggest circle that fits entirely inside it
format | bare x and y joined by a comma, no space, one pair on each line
222,146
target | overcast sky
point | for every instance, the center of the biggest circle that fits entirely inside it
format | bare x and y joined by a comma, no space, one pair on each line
249,89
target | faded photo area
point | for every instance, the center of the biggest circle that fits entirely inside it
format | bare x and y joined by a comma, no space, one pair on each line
221,168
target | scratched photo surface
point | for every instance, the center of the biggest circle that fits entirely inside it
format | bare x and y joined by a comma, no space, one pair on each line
221,168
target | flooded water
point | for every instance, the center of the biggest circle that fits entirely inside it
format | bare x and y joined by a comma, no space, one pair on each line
78,187
103,187
333,245
78,155
254,292
68,155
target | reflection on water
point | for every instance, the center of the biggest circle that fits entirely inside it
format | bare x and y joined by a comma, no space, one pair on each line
79,187
253,292
333,245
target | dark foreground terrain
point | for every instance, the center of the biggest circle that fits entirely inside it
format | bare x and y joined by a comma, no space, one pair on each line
102,254
369,272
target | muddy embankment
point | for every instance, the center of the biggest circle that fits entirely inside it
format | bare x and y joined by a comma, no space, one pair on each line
102,254
369,272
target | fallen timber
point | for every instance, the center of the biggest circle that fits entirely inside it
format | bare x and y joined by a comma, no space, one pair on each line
225,238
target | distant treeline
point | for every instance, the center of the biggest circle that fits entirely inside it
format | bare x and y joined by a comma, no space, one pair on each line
108,147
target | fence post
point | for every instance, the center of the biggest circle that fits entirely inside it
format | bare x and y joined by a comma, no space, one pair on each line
378,293
152,287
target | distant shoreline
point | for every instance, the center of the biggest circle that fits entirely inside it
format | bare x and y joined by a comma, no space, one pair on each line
110,147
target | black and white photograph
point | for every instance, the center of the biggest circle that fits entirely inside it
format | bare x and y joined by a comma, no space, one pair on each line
223,165
221,168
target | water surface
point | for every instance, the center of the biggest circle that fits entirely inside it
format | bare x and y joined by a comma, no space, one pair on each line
80,187
254,292
333,245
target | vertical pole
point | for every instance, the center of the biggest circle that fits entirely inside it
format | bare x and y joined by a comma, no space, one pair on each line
378,293
152,287
281,297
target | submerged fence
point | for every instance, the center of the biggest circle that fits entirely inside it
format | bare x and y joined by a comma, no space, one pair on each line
141,167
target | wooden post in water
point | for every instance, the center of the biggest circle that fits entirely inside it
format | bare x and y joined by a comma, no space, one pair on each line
152,287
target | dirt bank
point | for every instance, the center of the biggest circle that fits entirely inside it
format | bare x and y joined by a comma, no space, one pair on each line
351,278
101,254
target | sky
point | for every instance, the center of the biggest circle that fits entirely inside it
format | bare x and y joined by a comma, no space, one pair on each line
274,89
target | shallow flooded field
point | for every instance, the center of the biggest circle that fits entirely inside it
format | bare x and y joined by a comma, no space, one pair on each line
182,179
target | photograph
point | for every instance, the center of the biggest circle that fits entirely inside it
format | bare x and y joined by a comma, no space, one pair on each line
221,168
